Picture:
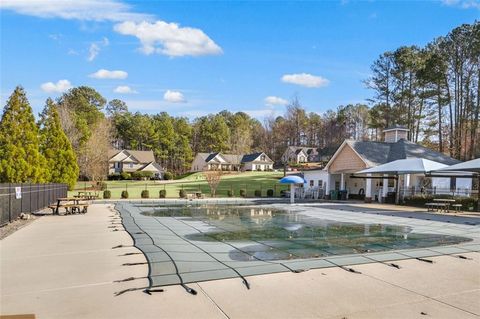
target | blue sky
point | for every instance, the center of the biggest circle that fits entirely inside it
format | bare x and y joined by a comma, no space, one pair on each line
191,58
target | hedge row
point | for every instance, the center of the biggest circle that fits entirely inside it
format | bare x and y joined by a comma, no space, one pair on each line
468,203
183,194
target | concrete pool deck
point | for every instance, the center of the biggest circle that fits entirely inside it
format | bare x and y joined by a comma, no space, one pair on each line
65,267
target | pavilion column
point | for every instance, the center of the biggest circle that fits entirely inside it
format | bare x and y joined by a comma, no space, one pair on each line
406,183
368,189
407,180
342,182
328,184
292,193
384,188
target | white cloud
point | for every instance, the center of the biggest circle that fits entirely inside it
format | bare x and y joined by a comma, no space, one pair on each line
72,52
89,10
305,79
275,100
269,111
93,52
94,49
169,38
59,87
105,42
55,36
174,97
124,89
464,4
106,74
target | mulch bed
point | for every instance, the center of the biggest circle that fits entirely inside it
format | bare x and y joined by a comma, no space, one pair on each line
12,227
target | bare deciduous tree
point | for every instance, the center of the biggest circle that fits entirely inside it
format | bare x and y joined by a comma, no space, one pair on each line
68,125
213,179
94,163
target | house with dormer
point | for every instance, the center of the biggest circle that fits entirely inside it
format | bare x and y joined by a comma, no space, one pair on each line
231,162
300,154
130,161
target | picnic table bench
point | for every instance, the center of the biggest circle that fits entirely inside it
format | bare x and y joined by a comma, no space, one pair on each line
197,195
72,205
87,195
442,204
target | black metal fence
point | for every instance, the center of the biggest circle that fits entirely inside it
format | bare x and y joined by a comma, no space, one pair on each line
16,198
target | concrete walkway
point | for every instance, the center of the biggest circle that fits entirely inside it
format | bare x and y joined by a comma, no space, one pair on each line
65,267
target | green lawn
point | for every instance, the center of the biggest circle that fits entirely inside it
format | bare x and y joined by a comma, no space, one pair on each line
250,181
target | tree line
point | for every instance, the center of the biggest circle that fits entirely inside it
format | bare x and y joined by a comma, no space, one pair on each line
434,91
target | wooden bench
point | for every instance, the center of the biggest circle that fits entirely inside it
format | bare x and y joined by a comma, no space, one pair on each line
80,208
436,206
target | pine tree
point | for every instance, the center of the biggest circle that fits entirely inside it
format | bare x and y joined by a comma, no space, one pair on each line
20,159
56,148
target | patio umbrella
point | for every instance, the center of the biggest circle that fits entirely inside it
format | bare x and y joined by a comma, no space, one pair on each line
404,166
292,180
469,166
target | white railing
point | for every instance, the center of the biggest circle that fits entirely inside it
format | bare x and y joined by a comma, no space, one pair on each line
459,192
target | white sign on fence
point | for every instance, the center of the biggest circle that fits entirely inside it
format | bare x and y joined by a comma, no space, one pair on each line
18,192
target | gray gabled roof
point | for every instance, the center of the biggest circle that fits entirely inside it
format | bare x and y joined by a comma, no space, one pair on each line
405,149
142,157
233,158
377,153
250,157
374,153
210,157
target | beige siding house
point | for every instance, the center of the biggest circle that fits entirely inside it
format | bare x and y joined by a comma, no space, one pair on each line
231,162
300,154
130,161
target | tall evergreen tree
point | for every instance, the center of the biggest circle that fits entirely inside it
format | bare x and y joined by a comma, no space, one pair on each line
20,159
56,148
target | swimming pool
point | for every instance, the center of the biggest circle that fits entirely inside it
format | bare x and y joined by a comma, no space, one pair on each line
191,243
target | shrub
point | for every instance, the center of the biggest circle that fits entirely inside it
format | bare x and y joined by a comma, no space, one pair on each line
230,193
269,192
145,194
141,175
243,193
167,176
136,175
258,193
125,175
102,186
162,193
107,194
124,194
114,177
182,193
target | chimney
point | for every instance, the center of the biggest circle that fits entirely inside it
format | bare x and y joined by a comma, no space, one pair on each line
395,133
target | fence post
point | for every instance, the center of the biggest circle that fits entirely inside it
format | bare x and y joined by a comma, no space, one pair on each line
9,203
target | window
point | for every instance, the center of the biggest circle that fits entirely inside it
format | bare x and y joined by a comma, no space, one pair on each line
131,165
312,182
263,158
320,182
